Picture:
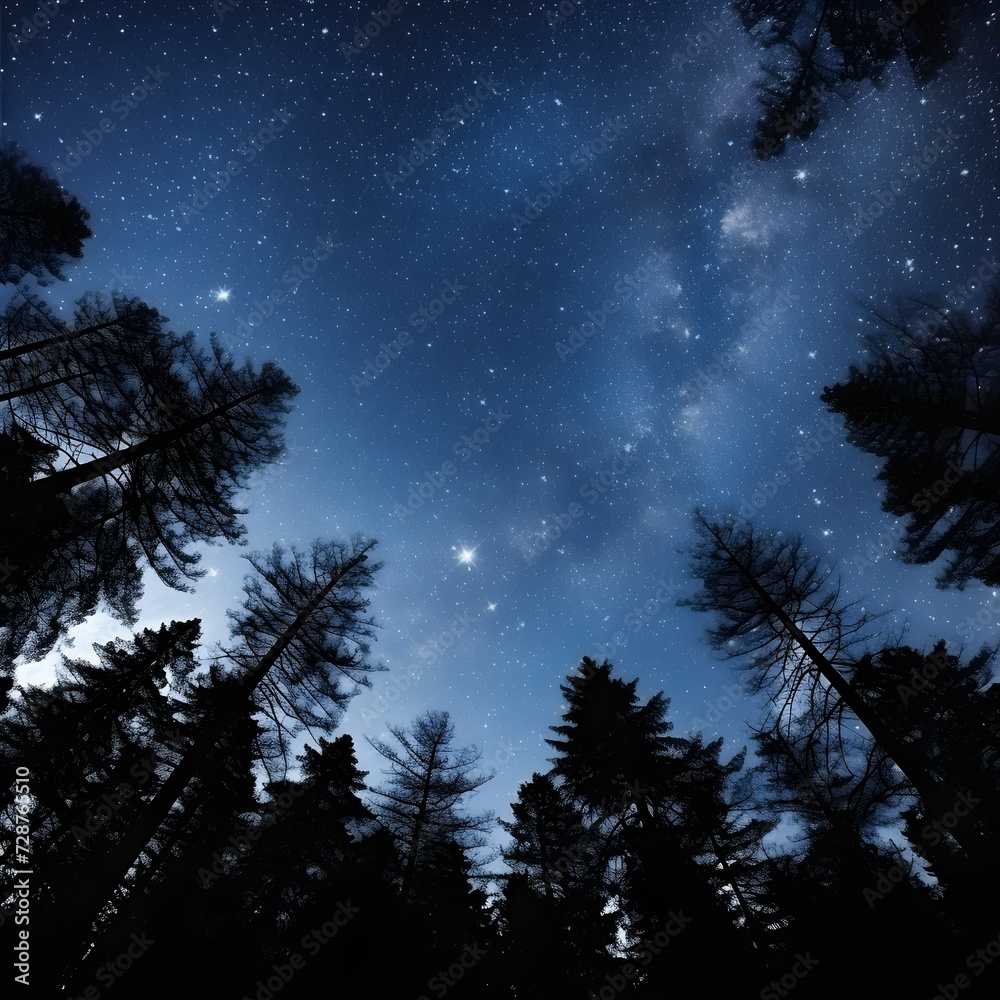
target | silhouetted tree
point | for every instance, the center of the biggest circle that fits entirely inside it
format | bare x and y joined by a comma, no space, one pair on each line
424,808
949,711
654,799
301,629
423,804
160,893
61,564
98,745
930,407
558,933
828,894
150,459
777,607
820,47
42,227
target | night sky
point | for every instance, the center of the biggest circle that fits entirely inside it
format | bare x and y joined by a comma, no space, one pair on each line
361,216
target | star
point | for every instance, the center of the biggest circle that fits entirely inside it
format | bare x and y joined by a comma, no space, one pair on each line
464,555
222,294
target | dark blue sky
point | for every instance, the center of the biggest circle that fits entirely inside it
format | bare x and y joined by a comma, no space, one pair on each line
258,154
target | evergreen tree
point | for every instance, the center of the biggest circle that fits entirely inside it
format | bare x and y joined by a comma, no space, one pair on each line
778,608
42,227
820,47
949,710
557,937
827,894
143,450
423,804
654,800
98,745
63,563
302,624
930,407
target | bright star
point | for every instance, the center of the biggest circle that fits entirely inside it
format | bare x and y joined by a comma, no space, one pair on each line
464,555
222,294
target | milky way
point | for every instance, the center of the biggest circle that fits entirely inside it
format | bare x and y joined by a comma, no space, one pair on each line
540,301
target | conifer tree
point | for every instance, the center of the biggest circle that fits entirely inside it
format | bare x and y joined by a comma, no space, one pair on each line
928,404
42,228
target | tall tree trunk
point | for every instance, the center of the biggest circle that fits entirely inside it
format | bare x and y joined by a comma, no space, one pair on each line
938,799
64,480
411,858
63,338
101,884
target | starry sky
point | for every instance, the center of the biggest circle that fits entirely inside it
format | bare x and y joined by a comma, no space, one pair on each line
540,301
